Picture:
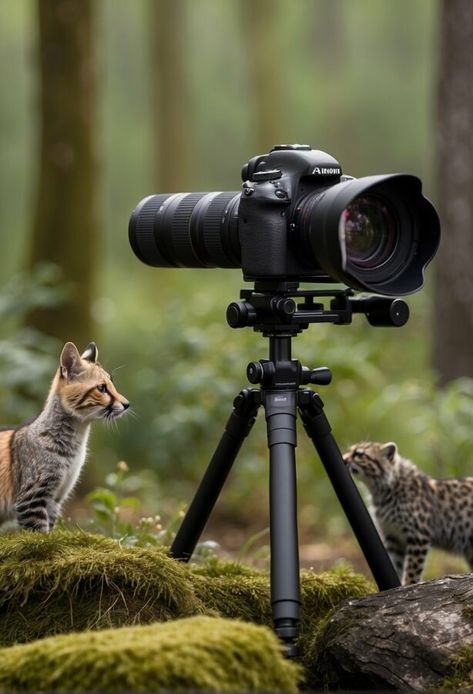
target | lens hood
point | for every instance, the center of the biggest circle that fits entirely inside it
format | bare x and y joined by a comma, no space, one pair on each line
416,233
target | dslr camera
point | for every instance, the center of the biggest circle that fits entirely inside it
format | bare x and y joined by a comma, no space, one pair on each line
297,218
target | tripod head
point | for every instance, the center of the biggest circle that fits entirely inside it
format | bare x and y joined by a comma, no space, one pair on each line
282,308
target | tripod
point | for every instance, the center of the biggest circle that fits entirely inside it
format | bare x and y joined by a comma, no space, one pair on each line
271,310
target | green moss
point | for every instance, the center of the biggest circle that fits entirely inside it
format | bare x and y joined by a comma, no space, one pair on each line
72,581
234,590
461,675
65,581
198,653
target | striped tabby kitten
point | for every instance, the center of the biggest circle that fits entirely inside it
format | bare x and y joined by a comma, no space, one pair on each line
40,460
414,512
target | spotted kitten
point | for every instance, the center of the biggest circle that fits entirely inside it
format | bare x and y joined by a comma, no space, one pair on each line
414,512
40,460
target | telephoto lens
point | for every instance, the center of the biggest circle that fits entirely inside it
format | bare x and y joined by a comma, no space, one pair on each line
187,230
297,218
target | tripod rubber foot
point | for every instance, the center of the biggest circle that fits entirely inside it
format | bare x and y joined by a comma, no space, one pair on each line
287,630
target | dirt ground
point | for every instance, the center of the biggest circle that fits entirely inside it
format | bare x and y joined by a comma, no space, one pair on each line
316,553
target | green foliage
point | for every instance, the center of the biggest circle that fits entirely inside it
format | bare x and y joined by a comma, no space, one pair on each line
28,358
193,654
184,366
115,514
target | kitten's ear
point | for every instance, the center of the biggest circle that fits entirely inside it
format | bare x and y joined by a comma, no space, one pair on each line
69,362
389,451
91,352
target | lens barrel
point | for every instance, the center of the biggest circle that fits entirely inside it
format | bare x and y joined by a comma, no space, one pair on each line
187,230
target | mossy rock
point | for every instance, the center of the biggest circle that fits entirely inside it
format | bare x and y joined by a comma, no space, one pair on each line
200,653
73,582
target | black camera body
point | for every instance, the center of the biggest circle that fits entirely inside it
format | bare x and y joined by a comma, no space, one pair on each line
275,186
297,219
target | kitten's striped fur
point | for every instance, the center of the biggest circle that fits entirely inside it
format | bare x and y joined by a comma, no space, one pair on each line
40,460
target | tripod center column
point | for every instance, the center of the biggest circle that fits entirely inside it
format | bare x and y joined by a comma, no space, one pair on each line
281,408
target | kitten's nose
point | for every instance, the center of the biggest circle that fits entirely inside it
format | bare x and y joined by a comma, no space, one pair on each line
125,405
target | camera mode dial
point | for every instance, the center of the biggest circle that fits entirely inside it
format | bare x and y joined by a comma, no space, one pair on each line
269,175
279,148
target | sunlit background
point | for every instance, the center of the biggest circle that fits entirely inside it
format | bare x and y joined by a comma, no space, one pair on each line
181,94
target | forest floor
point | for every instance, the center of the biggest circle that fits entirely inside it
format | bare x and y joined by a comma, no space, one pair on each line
315,552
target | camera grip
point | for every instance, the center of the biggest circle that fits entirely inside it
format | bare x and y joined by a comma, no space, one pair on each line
263,232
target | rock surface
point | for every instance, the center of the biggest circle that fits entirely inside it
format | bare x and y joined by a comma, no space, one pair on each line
403,638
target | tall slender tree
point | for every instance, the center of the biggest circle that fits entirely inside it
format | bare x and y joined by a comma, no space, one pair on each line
170,94
267,92
65,229
453,319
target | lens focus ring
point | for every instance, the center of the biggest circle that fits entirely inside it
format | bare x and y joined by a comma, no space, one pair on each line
216,231
181,231
141,231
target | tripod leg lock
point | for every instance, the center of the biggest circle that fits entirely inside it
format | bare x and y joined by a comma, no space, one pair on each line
243,417
313,416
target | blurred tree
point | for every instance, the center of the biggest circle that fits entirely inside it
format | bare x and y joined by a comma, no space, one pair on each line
453,319
328,30
170,99
65,229
260,24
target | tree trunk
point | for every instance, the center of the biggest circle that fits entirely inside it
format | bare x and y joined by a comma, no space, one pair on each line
404,638
65,230
453,308
170,97
263,61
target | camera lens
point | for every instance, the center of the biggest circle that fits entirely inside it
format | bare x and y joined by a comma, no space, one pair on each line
368,230
187,230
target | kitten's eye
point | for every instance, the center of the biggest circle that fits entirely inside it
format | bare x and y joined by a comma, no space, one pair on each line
358,454
102,388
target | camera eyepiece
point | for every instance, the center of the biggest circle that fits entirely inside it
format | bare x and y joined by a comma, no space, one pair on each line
297,219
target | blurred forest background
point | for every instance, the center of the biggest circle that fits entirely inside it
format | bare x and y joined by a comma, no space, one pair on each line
106,101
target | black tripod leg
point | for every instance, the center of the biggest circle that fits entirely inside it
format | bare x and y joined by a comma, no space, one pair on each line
319,430
237,428
281,410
